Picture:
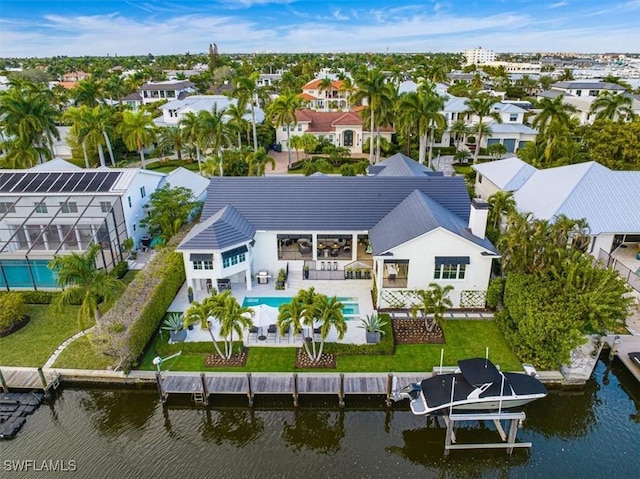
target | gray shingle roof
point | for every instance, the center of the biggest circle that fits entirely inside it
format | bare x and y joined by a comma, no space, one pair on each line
587,85
332,203
416,215
401,165
225,228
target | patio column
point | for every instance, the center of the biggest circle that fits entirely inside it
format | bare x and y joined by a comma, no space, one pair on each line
354,247
314,246
247,273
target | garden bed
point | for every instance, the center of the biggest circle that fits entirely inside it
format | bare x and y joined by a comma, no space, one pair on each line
17,326
413,331
237,360
326,361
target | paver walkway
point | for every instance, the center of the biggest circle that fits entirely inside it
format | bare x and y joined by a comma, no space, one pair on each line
64,345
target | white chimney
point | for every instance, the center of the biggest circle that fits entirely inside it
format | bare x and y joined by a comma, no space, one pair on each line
478,217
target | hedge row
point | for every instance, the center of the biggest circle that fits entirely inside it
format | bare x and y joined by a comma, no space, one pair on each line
35,297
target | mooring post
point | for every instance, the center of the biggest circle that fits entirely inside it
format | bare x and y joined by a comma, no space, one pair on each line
449,437
295,389
341,391
614,347
204,389
163,397
513,429
249,389
389,388
3,382
43,380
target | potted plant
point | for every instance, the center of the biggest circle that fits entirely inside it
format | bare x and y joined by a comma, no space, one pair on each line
367,274
358,273
305,271
373,326
348,273
174,324
638,254
190,294
127,246
280,280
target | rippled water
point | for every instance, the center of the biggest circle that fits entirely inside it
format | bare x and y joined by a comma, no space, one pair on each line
592,432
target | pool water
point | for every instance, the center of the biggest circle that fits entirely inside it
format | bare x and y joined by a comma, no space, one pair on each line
350,305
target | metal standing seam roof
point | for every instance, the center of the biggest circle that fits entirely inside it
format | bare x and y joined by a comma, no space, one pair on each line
224,229
503,128
187,179
416,215
587,85
606,199
508,174
401,165
282,203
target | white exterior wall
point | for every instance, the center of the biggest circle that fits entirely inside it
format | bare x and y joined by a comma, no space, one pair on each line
603,242
484,188
421,253
134,213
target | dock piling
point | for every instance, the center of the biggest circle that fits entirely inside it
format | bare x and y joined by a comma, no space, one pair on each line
205,393
249,389
163,396
389,389
3,383
295,389
341,391
43,380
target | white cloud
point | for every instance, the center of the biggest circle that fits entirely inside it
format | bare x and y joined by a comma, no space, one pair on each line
559,4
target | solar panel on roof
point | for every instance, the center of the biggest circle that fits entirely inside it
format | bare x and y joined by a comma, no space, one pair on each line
73,181
61,180
96,181
46,184
109,180
83,184
8,181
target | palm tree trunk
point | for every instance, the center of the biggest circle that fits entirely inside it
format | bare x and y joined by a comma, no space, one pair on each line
220,167
321,348
422,149
288,147
431,147
255,133
478,138
198,159
371,137
109,149
84,152
378,144
215,343
239,140
144,165
101,155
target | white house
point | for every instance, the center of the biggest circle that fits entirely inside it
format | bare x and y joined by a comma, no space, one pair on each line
333,98
156,91
607,199
175,111
339,128
403,231
57,208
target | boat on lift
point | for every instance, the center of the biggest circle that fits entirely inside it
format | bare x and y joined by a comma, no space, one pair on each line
477,385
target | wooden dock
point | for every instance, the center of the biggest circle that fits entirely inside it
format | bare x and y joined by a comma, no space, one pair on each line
621,346
12,378
201,386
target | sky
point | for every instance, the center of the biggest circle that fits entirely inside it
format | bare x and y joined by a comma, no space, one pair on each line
32,28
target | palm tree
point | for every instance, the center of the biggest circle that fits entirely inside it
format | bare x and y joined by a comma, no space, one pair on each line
191,130
373,89
552,111
612,106
328,314
20,154
500,203
236,121
91,125
199,313
213,133
325,85
232,318
88,93
459,130
138,132
283,112
245,91
481,106
292,315
434,301
172,137
84,283
258,161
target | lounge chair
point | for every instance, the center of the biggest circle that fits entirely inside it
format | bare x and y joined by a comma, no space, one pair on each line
253,330
272,330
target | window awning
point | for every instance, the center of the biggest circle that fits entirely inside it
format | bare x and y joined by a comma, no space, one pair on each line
234,252
396,261
201,257
440,260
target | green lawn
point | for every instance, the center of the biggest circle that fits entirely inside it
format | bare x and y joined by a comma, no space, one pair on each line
465,339
81,355
33,344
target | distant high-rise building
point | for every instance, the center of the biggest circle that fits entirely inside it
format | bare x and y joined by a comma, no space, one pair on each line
478,56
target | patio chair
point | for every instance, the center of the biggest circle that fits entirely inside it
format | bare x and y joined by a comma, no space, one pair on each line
272,330
253,330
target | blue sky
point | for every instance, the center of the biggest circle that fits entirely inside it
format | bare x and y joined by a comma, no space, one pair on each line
100,27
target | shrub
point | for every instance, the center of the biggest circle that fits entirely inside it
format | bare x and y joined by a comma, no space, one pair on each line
12,310
121,269
495,292
34,297
386,345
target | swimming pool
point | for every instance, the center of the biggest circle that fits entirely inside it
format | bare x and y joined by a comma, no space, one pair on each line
350,307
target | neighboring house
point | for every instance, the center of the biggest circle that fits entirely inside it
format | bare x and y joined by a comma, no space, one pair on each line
512,132
582,88
401,165
403,231
75,76
156,91
479,56
187,179
339,128
176,110
57,208
607,199
334,98
269,79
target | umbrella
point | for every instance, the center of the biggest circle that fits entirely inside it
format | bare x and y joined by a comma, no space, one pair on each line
264,315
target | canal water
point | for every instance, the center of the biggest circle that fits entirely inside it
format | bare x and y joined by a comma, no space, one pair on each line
102,433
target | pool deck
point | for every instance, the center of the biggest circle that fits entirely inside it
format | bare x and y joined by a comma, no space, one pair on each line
360,289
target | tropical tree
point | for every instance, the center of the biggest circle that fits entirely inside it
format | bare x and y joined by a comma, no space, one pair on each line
88,93
283,112
500,203
372,89
190,125
83,282
293,316
258,161
328,315
91,127
199,313
481,106
497,150
553,111
433,302
172,138
168,209
213,133
232,318
459,130
138,132
612,106
236,121
246,91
